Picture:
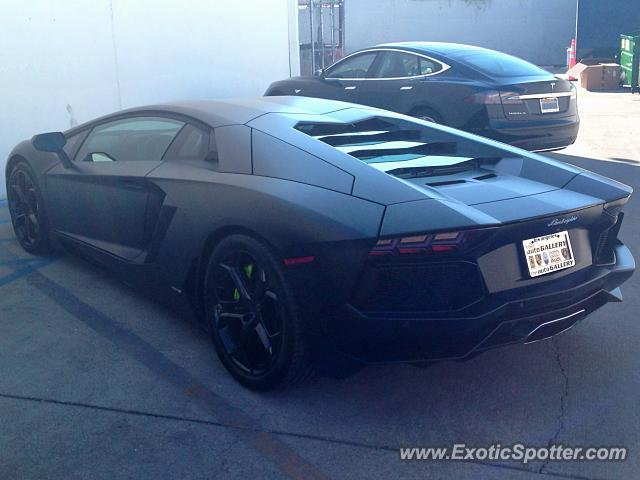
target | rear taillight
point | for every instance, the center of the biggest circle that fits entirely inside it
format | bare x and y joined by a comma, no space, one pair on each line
493,97
484,98
429,243
510,98
574,92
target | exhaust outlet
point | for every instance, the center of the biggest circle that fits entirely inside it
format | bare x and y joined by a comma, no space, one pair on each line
554,327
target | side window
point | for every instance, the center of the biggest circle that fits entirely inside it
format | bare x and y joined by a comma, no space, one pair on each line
192,143
353,67
427,67
398,65
131,139
403,65
73,142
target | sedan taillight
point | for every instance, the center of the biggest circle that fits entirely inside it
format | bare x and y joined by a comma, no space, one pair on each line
493,97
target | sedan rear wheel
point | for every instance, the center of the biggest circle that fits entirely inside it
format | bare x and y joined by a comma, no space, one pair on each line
257,328
27,211
427,114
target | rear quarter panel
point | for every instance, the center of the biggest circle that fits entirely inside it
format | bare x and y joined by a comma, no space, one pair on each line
290,216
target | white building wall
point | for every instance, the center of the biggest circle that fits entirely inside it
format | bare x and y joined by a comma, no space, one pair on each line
536,30
66,62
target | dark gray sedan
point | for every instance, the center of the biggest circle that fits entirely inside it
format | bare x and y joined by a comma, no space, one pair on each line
474,89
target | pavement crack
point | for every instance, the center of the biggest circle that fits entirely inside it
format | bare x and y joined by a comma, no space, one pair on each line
279,433
563,404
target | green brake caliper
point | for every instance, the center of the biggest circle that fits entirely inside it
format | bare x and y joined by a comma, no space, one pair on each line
248,270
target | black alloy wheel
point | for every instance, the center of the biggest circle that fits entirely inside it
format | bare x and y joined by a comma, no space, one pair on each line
27,211
256,327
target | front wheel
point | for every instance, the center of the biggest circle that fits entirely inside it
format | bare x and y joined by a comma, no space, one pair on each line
257,328
26,207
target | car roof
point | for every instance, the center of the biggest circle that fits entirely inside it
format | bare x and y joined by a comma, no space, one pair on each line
217,113
436,48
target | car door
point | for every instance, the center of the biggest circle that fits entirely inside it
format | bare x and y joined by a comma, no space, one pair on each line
102,201
399,81
344,79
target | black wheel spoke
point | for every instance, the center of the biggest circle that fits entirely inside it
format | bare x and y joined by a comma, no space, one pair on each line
265,338
17,189
232,309
238,279
227,339
32,199
232,316
272,295
261,286
33,222
241,352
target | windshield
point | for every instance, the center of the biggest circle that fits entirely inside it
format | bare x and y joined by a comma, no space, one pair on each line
497,64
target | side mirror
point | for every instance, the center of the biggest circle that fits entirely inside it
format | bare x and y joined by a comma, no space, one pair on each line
52,142
319,73
49,142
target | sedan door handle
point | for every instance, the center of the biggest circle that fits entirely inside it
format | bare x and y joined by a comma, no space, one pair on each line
353,87
406,87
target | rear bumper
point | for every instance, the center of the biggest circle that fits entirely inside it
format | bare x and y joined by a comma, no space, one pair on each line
518,316
538,135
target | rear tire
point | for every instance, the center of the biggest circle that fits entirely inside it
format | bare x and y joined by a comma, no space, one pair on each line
427,114
27,210
257,328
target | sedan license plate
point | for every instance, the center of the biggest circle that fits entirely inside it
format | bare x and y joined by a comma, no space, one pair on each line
549,105
548,254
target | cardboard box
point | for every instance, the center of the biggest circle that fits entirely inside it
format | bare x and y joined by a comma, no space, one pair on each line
597,76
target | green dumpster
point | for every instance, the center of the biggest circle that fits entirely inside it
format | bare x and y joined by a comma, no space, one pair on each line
630,60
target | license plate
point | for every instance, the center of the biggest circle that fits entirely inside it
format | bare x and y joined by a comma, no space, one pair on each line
549,105
548,254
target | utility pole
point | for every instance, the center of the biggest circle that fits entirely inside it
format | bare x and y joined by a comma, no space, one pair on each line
313,47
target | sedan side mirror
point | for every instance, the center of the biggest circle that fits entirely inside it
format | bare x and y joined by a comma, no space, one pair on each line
319,73
52,142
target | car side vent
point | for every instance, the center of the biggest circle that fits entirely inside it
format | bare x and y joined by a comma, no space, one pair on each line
486,176
445,182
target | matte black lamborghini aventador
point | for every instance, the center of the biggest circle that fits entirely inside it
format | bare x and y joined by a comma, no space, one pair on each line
296,225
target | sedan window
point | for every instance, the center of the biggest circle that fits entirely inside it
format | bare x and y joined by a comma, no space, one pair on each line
403,65
353,67
398,65
497,64
427,67
131,139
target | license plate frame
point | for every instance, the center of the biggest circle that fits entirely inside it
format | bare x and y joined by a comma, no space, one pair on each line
549,105
548,253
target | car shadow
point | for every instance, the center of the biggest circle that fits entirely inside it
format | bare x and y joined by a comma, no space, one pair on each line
621,169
